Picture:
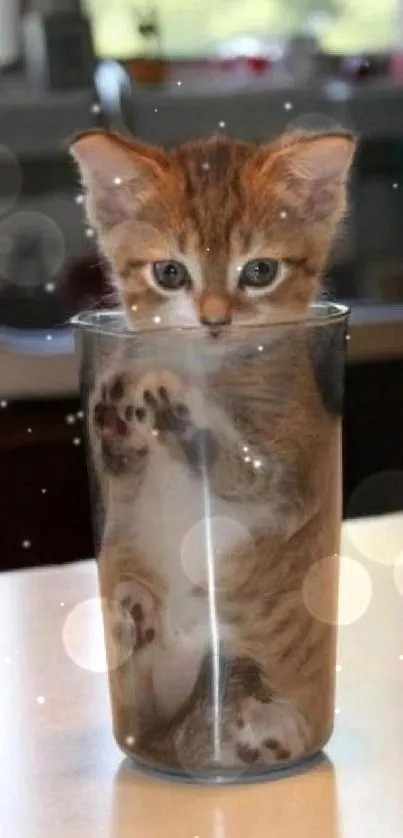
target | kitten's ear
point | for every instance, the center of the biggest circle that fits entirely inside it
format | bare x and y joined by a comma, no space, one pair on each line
116,174
316,168
323,160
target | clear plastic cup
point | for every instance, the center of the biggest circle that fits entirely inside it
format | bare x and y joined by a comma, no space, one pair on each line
215,466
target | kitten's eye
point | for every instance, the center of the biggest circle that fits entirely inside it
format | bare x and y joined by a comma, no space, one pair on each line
171,276
259,274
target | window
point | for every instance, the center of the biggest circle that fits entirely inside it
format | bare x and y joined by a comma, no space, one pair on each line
190,27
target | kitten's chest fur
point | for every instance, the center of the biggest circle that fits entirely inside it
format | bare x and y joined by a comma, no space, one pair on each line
176,520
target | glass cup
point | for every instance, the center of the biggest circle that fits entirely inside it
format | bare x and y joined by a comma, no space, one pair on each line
215,466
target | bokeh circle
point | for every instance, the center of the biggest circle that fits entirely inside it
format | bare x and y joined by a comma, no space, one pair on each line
378,541
84,636
314,122
188,619
398,573
32,248
354,593
10,179
207,543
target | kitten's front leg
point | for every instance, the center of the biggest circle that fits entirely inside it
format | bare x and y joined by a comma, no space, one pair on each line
119,430
209,439
251,467
178,415
206,434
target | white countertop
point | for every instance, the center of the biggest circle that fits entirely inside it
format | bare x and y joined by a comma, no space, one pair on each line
63,777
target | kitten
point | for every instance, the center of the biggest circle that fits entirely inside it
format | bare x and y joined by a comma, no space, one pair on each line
218,233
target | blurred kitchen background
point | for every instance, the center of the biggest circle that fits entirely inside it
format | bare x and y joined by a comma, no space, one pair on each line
170,70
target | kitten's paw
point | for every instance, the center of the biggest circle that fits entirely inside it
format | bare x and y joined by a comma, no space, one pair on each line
161,398
269,733
176,411
140,625
118,424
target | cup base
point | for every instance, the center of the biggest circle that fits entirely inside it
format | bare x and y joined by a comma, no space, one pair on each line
226,778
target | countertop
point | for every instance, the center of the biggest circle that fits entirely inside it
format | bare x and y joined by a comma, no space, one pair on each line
63,776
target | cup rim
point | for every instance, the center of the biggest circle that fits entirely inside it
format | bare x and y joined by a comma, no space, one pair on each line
110,322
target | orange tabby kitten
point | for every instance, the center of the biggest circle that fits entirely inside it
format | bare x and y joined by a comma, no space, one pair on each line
219,233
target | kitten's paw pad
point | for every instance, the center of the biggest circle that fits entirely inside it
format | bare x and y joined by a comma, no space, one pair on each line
178,412
270,732
140,618
108,417
161,400
117,425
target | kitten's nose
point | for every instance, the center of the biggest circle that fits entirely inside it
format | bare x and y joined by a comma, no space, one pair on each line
215,313
215,325
216,322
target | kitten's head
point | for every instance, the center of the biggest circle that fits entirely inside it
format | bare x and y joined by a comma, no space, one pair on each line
218,230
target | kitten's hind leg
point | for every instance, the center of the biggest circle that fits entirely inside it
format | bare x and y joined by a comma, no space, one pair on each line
159,661
270,732
132,599
140,625
254,730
